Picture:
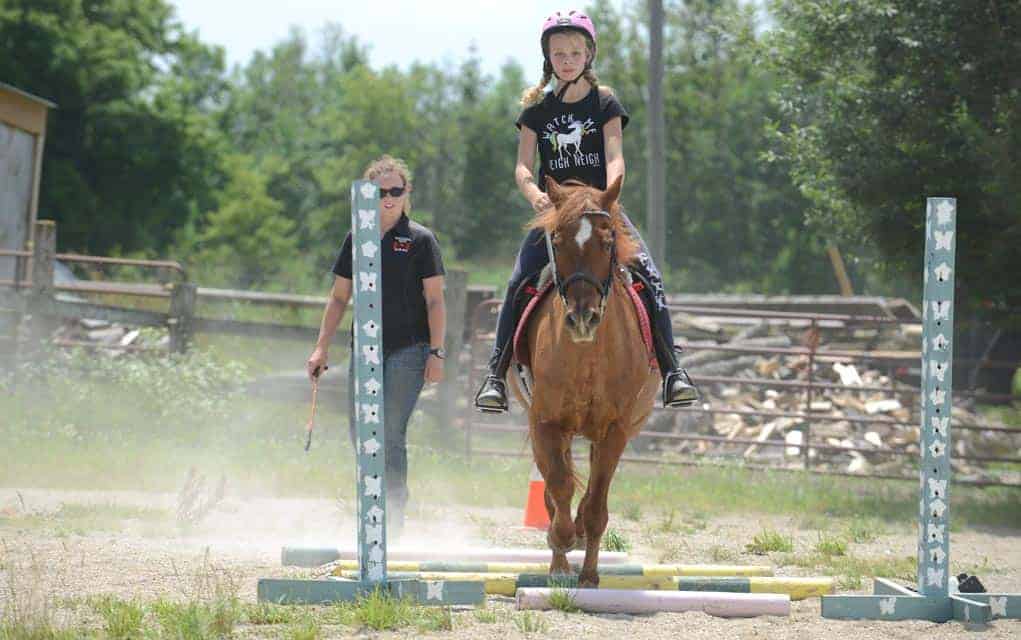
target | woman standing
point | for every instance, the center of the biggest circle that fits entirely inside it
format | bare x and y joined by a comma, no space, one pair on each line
413,321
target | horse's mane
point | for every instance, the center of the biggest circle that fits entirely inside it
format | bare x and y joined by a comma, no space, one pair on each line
579,197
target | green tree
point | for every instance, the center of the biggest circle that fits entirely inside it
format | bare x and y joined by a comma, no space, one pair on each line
734,221
891,101
131,152
245,241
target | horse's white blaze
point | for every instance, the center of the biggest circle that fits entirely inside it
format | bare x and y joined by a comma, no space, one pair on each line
584,232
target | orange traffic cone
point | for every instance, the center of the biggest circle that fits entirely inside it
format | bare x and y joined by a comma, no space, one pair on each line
536,515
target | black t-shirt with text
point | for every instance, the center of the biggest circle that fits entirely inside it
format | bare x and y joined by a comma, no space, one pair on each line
571,136
410,254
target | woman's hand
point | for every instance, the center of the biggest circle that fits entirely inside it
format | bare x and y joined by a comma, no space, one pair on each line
316,364
541,203
433,369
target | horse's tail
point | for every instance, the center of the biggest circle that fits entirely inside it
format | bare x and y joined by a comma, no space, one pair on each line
579,482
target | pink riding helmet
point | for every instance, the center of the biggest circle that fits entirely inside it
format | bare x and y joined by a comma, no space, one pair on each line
572,20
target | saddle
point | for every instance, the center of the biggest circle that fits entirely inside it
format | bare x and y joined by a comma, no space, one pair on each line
536,288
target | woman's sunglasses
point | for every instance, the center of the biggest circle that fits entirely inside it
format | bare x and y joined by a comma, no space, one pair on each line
395,192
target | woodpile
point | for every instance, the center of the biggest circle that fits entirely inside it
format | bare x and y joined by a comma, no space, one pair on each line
861,418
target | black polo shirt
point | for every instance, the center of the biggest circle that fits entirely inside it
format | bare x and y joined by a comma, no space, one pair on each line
409,255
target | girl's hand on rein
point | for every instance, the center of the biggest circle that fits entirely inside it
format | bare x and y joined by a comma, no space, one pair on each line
541,203
433,369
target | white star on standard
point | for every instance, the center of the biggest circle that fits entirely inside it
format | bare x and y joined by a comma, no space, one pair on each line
935,532
374,514
934,577
370,413
367,219
940,342
370,329
372,386
939,425
937,449
368,191
938,507
943,272
937,488
371,446
998,606
888,606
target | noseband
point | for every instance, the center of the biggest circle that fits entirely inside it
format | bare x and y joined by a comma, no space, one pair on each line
582,274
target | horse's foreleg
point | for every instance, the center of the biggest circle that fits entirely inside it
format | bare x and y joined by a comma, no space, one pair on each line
579,519
552,455
606,455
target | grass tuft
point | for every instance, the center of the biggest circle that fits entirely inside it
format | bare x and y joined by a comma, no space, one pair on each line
563,600
267,613
863,531
614,540
767,541
530,622
831,545
122,620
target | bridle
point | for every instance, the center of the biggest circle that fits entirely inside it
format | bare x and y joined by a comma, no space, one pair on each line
602,287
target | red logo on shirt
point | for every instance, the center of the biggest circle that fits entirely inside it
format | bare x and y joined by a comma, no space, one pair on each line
402,244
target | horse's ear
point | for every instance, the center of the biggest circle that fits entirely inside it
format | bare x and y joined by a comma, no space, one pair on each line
611,194
554,191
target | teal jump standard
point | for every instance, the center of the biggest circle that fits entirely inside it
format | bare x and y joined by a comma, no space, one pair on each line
933,600
367,356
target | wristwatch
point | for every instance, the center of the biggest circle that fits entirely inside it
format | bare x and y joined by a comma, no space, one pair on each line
438,352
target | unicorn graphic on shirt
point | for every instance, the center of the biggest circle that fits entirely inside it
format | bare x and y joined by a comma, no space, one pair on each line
562,140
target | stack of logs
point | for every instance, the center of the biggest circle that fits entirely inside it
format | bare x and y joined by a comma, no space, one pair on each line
821,418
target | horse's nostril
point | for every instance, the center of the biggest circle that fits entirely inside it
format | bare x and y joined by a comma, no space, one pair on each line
571,319
593,318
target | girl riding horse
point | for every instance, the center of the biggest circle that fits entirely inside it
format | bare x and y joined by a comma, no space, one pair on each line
578,107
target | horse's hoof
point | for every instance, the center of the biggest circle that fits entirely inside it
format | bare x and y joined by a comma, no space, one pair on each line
588,581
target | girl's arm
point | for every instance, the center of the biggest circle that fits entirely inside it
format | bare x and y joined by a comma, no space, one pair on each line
523,171
613,141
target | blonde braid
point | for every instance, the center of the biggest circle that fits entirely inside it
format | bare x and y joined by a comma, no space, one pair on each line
533,95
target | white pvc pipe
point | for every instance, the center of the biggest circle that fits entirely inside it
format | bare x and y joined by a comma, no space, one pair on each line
488,555
723,605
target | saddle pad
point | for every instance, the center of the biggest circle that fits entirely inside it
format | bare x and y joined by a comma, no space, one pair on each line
521,353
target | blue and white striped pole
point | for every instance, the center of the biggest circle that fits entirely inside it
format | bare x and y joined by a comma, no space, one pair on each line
368,383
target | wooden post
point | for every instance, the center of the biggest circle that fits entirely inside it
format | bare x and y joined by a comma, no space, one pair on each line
182,315
451,390
656,207
44,251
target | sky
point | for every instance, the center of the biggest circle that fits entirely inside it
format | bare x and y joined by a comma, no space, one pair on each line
397,31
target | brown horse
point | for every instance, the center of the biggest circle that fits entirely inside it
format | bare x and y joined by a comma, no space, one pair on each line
590,367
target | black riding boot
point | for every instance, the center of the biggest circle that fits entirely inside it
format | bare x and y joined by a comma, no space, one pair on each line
492,396
678,390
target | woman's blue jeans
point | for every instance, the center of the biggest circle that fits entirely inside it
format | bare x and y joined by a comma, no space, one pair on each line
403,378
